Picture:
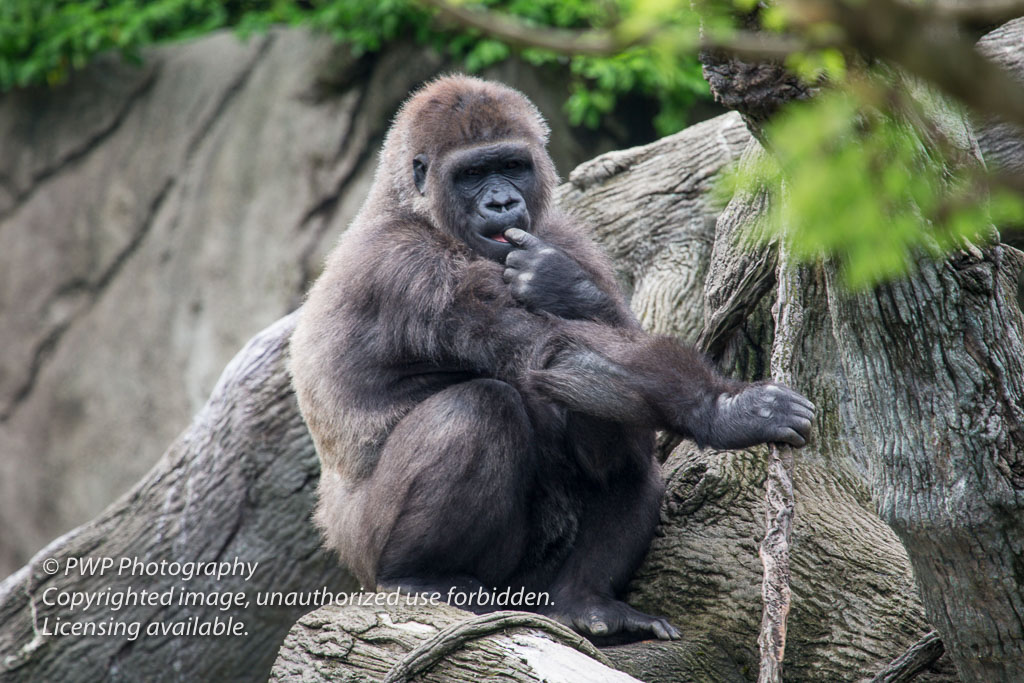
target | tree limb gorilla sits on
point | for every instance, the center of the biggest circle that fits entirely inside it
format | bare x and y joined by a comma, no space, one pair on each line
482,399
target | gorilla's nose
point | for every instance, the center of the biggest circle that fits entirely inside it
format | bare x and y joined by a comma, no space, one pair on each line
502,203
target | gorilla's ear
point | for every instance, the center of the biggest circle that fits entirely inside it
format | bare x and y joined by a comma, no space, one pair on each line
419,172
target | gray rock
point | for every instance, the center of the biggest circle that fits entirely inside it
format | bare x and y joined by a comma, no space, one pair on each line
154,218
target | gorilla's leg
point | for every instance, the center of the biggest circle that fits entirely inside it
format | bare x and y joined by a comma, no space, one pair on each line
455,473
617,524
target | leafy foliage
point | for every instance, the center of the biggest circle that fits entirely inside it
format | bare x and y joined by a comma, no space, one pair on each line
871,186
42,41
861,174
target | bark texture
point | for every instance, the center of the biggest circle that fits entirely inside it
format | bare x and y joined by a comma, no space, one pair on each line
1002,144
919,387
757,90
943,442
919,657
650,209
398,644
237,485
930,399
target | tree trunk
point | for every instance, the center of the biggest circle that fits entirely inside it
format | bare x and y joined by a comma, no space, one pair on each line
943,444
920,388
929,388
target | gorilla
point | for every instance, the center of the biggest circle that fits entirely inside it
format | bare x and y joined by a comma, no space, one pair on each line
483,401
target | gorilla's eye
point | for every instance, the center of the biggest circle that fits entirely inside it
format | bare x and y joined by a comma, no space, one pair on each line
472,172
513,165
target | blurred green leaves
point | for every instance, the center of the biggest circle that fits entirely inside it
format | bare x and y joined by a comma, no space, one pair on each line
870,186
42,41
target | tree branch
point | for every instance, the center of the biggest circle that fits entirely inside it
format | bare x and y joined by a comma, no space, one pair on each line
919,657
923,39
458,634
774,553
522,35
779,502
603,42
977,11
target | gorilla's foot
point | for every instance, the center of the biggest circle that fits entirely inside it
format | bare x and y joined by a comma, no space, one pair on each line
610,621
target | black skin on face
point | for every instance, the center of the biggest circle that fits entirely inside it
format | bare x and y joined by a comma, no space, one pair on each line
491,185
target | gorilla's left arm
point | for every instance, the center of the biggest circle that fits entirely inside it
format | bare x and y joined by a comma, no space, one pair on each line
659,382
565,276
626,375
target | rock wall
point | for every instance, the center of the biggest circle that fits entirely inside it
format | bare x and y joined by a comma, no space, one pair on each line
154,218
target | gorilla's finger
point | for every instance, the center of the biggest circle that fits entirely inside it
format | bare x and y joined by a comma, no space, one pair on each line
516,259
592,624
660,631
791,394
661,628
789,436
799,399
800,410
509,274
802,425
522,239
665,631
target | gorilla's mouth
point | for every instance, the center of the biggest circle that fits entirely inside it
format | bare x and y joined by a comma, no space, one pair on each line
500,237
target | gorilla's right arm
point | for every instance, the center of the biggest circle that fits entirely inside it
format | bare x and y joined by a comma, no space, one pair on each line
470,321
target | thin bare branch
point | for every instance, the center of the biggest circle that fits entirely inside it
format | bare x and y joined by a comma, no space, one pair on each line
758,46
977,11
774,552
520,34
923,39
779,499
603,42
919,657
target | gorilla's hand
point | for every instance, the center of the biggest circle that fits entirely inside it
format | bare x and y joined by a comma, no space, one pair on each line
759,413
543,278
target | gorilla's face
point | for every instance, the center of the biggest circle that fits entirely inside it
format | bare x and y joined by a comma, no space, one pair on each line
485,190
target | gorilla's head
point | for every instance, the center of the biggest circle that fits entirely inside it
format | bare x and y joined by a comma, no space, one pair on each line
471,158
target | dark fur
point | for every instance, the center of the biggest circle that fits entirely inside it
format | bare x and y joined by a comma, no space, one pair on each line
477,432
